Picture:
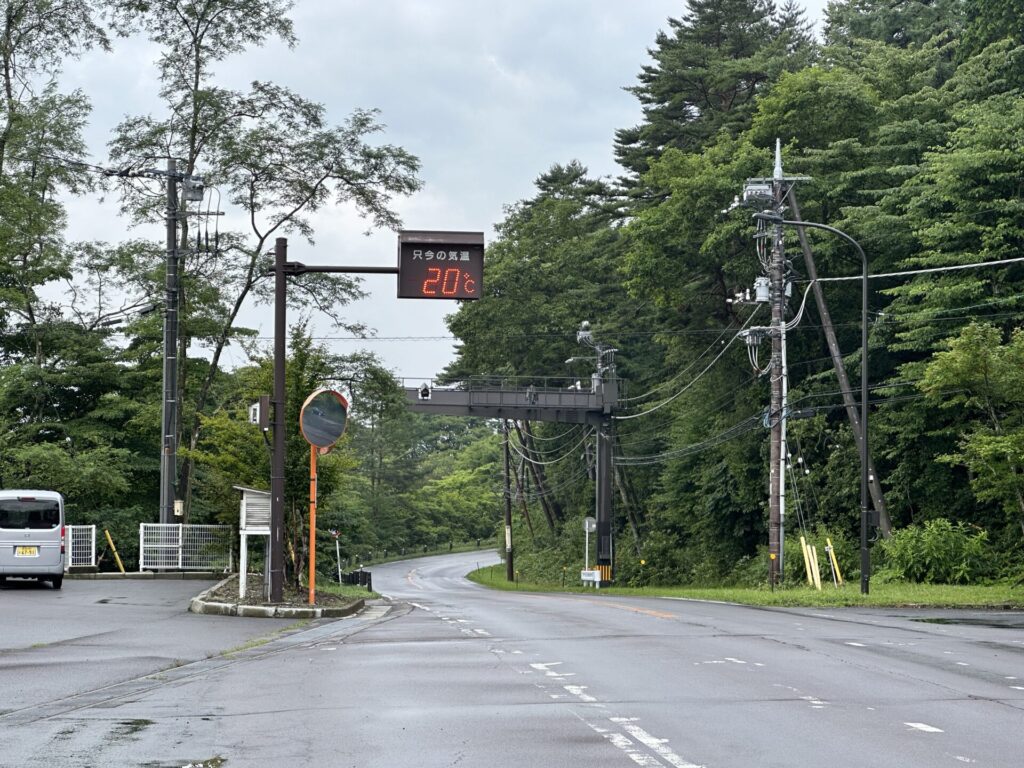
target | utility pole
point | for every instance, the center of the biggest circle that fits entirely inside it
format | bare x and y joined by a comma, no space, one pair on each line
277,460
169,443
875,487
605,384
776,415
773,290
510,571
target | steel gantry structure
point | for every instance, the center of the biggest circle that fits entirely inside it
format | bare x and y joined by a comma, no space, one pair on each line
489,398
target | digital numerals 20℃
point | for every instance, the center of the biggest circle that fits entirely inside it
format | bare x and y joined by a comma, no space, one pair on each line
449,283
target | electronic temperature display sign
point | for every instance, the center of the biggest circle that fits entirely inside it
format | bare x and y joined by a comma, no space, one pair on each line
440,265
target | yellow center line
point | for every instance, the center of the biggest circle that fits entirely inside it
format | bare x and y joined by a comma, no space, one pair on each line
634,609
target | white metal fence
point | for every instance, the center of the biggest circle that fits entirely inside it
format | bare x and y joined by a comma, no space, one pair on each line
81,546
185,547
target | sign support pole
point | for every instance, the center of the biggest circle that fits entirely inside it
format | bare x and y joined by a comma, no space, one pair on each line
312,524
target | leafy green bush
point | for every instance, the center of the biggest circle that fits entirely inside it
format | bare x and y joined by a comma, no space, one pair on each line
939,552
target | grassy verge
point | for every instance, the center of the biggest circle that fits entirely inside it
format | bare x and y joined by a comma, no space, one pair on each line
881,595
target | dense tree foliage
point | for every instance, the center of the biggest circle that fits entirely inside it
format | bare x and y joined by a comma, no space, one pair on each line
906,121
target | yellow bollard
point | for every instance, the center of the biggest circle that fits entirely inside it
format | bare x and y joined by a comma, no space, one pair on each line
117,557
807,561
817,570
835,562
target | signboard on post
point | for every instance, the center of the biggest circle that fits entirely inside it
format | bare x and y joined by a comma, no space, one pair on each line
440,265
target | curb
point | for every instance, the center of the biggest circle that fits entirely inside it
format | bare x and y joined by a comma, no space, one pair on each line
200,604
162,575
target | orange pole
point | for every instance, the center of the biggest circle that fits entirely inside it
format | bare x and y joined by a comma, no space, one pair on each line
312,524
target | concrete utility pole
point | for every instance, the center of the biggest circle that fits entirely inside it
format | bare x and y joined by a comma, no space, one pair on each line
510,571
772,289
776,413
169,443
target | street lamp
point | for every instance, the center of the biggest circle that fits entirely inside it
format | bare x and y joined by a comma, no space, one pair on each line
865,556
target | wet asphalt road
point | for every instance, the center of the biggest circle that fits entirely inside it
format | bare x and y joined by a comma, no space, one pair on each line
449,673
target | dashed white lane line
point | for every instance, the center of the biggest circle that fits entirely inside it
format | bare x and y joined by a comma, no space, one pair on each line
856,645
963,759
578,692
659,746
924,727
421,607
1017,687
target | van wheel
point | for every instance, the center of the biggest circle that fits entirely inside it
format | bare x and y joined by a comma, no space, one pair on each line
57,581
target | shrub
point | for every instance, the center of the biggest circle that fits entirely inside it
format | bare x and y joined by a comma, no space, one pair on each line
938,552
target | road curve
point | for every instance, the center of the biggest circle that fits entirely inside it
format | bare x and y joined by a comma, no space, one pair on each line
449,673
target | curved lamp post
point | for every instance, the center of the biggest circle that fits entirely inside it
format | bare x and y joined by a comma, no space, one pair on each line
865,557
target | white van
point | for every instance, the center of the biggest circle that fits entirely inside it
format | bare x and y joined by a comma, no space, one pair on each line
32,536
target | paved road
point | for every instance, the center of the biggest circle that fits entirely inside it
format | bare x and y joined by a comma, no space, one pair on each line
452,674
90,634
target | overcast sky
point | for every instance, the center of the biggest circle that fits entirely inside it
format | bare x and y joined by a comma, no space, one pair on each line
488,95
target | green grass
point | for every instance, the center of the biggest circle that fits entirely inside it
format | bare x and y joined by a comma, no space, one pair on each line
882,595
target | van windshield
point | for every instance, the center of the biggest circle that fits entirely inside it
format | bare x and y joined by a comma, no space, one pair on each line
29,513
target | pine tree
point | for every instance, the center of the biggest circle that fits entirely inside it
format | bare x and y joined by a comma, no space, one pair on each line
707,71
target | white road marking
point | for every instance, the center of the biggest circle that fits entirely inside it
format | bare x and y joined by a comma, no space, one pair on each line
659,746
735,661
925,727
482,632
421,607
623,743
328,649
578,692
1010,677
963,759
1017,687
857,645
544,667
962,664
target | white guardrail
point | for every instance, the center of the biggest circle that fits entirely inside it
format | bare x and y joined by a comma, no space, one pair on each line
81,546
185,547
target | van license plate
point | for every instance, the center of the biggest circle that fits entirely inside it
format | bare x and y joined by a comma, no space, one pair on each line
26,551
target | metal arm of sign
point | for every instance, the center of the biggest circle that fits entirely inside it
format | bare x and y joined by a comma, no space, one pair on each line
298,268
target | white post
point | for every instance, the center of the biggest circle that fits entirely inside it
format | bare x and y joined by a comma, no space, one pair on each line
243,558
586,551
337,554
181,546
92,546
142,550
